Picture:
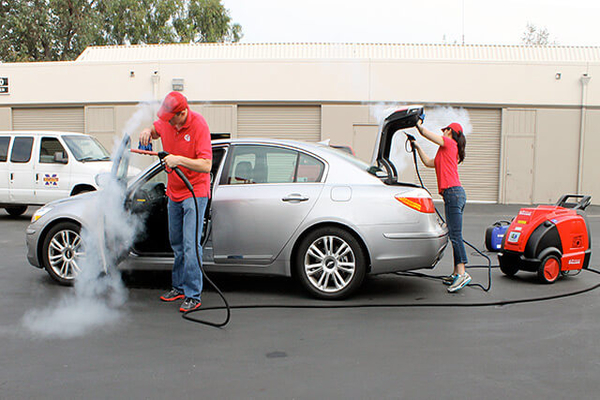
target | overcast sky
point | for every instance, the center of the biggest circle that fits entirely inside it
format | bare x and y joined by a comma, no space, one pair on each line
569,22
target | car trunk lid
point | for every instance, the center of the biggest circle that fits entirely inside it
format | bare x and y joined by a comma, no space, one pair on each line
402,118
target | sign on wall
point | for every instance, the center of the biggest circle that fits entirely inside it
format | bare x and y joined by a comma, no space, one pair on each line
3,85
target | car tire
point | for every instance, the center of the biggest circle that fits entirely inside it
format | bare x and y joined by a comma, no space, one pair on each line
330,263
15,211
549,269
508,266
61,252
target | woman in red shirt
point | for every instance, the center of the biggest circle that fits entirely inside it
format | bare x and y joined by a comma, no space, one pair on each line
451,152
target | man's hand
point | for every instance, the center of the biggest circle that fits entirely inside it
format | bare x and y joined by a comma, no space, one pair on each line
145,136
172,161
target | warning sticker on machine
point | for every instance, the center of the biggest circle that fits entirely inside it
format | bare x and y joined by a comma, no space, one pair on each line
513,237
51,180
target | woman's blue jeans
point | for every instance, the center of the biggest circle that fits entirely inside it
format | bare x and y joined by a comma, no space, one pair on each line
454,205
186,276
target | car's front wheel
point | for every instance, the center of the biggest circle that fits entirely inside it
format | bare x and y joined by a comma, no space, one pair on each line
62,252
330,263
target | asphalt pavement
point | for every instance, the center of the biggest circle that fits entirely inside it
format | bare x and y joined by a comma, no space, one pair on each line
407,338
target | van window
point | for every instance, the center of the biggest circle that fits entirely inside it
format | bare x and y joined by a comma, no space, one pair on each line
86,148
4,142
48,147
21,150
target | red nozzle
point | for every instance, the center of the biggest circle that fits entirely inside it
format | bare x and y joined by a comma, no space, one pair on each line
146,152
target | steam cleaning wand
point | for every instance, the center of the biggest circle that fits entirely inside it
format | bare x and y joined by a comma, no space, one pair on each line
161,155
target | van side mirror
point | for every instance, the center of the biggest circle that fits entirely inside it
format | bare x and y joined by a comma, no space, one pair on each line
60,157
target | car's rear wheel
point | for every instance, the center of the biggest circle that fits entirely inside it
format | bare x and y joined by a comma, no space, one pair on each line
330,263
15,211
62,252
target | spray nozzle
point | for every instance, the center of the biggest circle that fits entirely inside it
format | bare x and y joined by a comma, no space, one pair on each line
410,139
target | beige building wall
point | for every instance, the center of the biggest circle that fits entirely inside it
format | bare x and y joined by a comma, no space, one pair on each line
591,146
5,118
344,88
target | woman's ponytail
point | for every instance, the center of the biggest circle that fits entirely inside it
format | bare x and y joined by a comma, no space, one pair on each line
461,141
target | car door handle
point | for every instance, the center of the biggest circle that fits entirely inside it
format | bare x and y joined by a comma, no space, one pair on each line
295,197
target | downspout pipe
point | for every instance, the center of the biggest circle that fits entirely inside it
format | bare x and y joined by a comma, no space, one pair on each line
585,79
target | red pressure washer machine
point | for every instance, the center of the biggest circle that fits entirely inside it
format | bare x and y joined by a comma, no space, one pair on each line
549,240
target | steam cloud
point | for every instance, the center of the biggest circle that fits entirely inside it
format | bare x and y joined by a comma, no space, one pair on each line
98,293
436,118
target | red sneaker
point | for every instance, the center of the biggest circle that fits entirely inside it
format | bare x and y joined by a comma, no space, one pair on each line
190,304
173,295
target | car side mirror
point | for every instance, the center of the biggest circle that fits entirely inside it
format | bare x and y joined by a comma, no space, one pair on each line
59,157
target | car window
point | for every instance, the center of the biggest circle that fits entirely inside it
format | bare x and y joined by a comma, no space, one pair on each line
269,164
309,169
48,148
4,142
21,150
260,164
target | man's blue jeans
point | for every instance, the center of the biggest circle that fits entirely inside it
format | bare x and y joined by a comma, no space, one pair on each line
455,199
187,276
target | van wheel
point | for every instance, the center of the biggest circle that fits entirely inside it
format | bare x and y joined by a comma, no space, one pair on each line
330,263
15,211
62,252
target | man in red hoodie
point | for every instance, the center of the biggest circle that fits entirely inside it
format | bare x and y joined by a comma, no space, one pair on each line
186,137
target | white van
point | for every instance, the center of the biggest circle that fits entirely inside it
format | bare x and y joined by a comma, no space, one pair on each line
42,166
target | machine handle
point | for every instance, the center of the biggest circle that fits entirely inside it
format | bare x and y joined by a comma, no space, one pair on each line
584,201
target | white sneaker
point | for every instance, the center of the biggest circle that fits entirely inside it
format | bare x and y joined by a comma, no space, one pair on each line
460,282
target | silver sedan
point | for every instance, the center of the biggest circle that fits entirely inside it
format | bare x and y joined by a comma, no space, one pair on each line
278,207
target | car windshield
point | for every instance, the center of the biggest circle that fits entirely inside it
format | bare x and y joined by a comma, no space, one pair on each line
372,169
86,148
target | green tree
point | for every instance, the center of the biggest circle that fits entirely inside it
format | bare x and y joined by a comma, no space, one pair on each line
534,36
49,30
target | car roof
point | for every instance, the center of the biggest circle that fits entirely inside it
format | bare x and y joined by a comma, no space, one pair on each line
312,147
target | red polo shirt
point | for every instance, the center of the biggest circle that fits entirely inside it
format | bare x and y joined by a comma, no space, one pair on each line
446,165
192,141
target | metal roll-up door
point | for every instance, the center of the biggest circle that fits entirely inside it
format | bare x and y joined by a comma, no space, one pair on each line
480,171
280,122
69,119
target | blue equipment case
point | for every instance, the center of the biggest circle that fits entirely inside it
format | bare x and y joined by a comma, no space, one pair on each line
495,234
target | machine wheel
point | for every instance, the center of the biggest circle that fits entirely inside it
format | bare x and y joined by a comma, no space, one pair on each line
549,269
62,251
508,267
15,211
330,263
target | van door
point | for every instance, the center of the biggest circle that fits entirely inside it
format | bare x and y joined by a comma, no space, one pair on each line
21,172
4,145
52,171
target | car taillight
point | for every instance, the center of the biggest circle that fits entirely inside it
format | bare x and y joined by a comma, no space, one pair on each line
421,204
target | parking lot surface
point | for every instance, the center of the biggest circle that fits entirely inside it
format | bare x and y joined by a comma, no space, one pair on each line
408,339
